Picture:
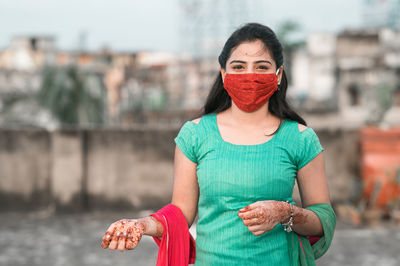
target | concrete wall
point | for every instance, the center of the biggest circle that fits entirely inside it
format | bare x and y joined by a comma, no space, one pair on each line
122,169
25,168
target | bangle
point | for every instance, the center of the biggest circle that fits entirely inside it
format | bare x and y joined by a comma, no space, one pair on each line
288,226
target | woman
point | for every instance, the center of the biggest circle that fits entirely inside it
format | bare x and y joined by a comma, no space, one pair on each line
237,164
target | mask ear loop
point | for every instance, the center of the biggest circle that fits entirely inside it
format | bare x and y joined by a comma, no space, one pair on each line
277,72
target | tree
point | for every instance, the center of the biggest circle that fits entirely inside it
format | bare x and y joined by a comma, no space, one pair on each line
286,33
71,97
380,100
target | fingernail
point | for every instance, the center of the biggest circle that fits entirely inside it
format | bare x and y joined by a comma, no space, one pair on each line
118,233
108,236
125,233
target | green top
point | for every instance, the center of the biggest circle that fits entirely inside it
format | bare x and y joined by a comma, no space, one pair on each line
232,176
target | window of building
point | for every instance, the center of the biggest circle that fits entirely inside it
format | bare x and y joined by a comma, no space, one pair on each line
354,95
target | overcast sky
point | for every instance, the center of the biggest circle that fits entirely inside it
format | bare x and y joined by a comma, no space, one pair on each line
132,25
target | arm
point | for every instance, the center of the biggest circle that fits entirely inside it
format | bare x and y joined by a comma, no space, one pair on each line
313,189
185,193
186,188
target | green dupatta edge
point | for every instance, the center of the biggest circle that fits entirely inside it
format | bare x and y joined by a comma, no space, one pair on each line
297,243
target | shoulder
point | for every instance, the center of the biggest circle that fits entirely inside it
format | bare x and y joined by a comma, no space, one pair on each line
200,125
306,135
201,121
302,134
301,127
307,145
190,127
298,127
295,126
196,121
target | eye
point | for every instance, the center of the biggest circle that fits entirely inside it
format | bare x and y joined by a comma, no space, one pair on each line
262,67
237,67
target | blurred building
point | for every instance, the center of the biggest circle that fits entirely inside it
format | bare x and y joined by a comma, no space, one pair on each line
20,79
313,84
21,61
165,87
368,67
352,78
28,53
348,79
140,87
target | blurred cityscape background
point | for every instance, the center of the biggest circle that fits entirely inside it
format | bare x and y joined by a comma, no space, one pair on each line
92,94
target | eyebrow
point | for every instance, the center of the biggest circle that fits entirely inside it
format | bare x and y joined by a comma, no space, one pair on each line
257,62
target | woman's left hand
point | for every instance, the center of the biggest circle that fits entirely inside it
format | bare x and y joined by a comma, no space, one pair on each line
262,216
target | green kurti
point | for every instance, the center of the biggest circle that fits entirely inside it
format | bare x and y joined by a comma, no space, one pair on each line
233,176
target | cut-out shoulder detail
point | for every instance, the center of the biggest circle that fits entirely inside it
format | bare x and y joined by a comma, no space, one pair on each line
302,127
196,121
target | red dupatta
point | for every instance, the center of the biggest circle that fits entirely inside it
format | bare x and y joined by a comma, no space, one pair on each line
177,247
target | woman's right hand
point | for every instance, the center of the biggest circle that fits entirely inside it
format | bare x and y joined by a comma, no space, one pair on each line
124,234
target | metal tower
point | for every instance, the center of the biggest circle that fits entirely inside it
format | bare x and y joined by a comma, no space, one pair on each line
381,13
206,24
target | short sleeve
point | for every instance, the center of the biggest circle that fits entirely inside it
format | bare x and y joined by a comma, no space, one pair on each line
308,147
186,140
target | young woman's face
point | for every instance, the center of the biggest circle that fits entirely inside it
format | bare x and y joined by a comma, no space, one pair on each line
250,57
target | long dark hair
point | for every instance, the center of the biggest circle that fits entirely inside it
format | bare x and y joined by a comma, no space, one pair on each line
219,100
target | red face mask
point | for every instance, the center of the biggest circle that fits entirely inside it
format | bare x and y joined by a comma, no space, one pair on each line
250,91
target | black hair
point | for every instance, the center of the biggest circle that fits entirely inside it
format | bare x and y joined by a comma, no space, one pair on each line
219,100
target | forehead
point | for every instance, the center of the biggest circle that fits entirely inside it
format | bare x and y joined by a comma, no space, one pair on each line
250,51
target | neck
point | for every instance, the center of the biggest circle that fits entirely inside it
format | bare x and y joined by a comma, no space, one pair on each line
256,118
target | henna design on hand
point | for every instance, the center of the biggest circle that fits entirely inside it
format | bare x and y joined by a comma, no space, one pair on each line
124,234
